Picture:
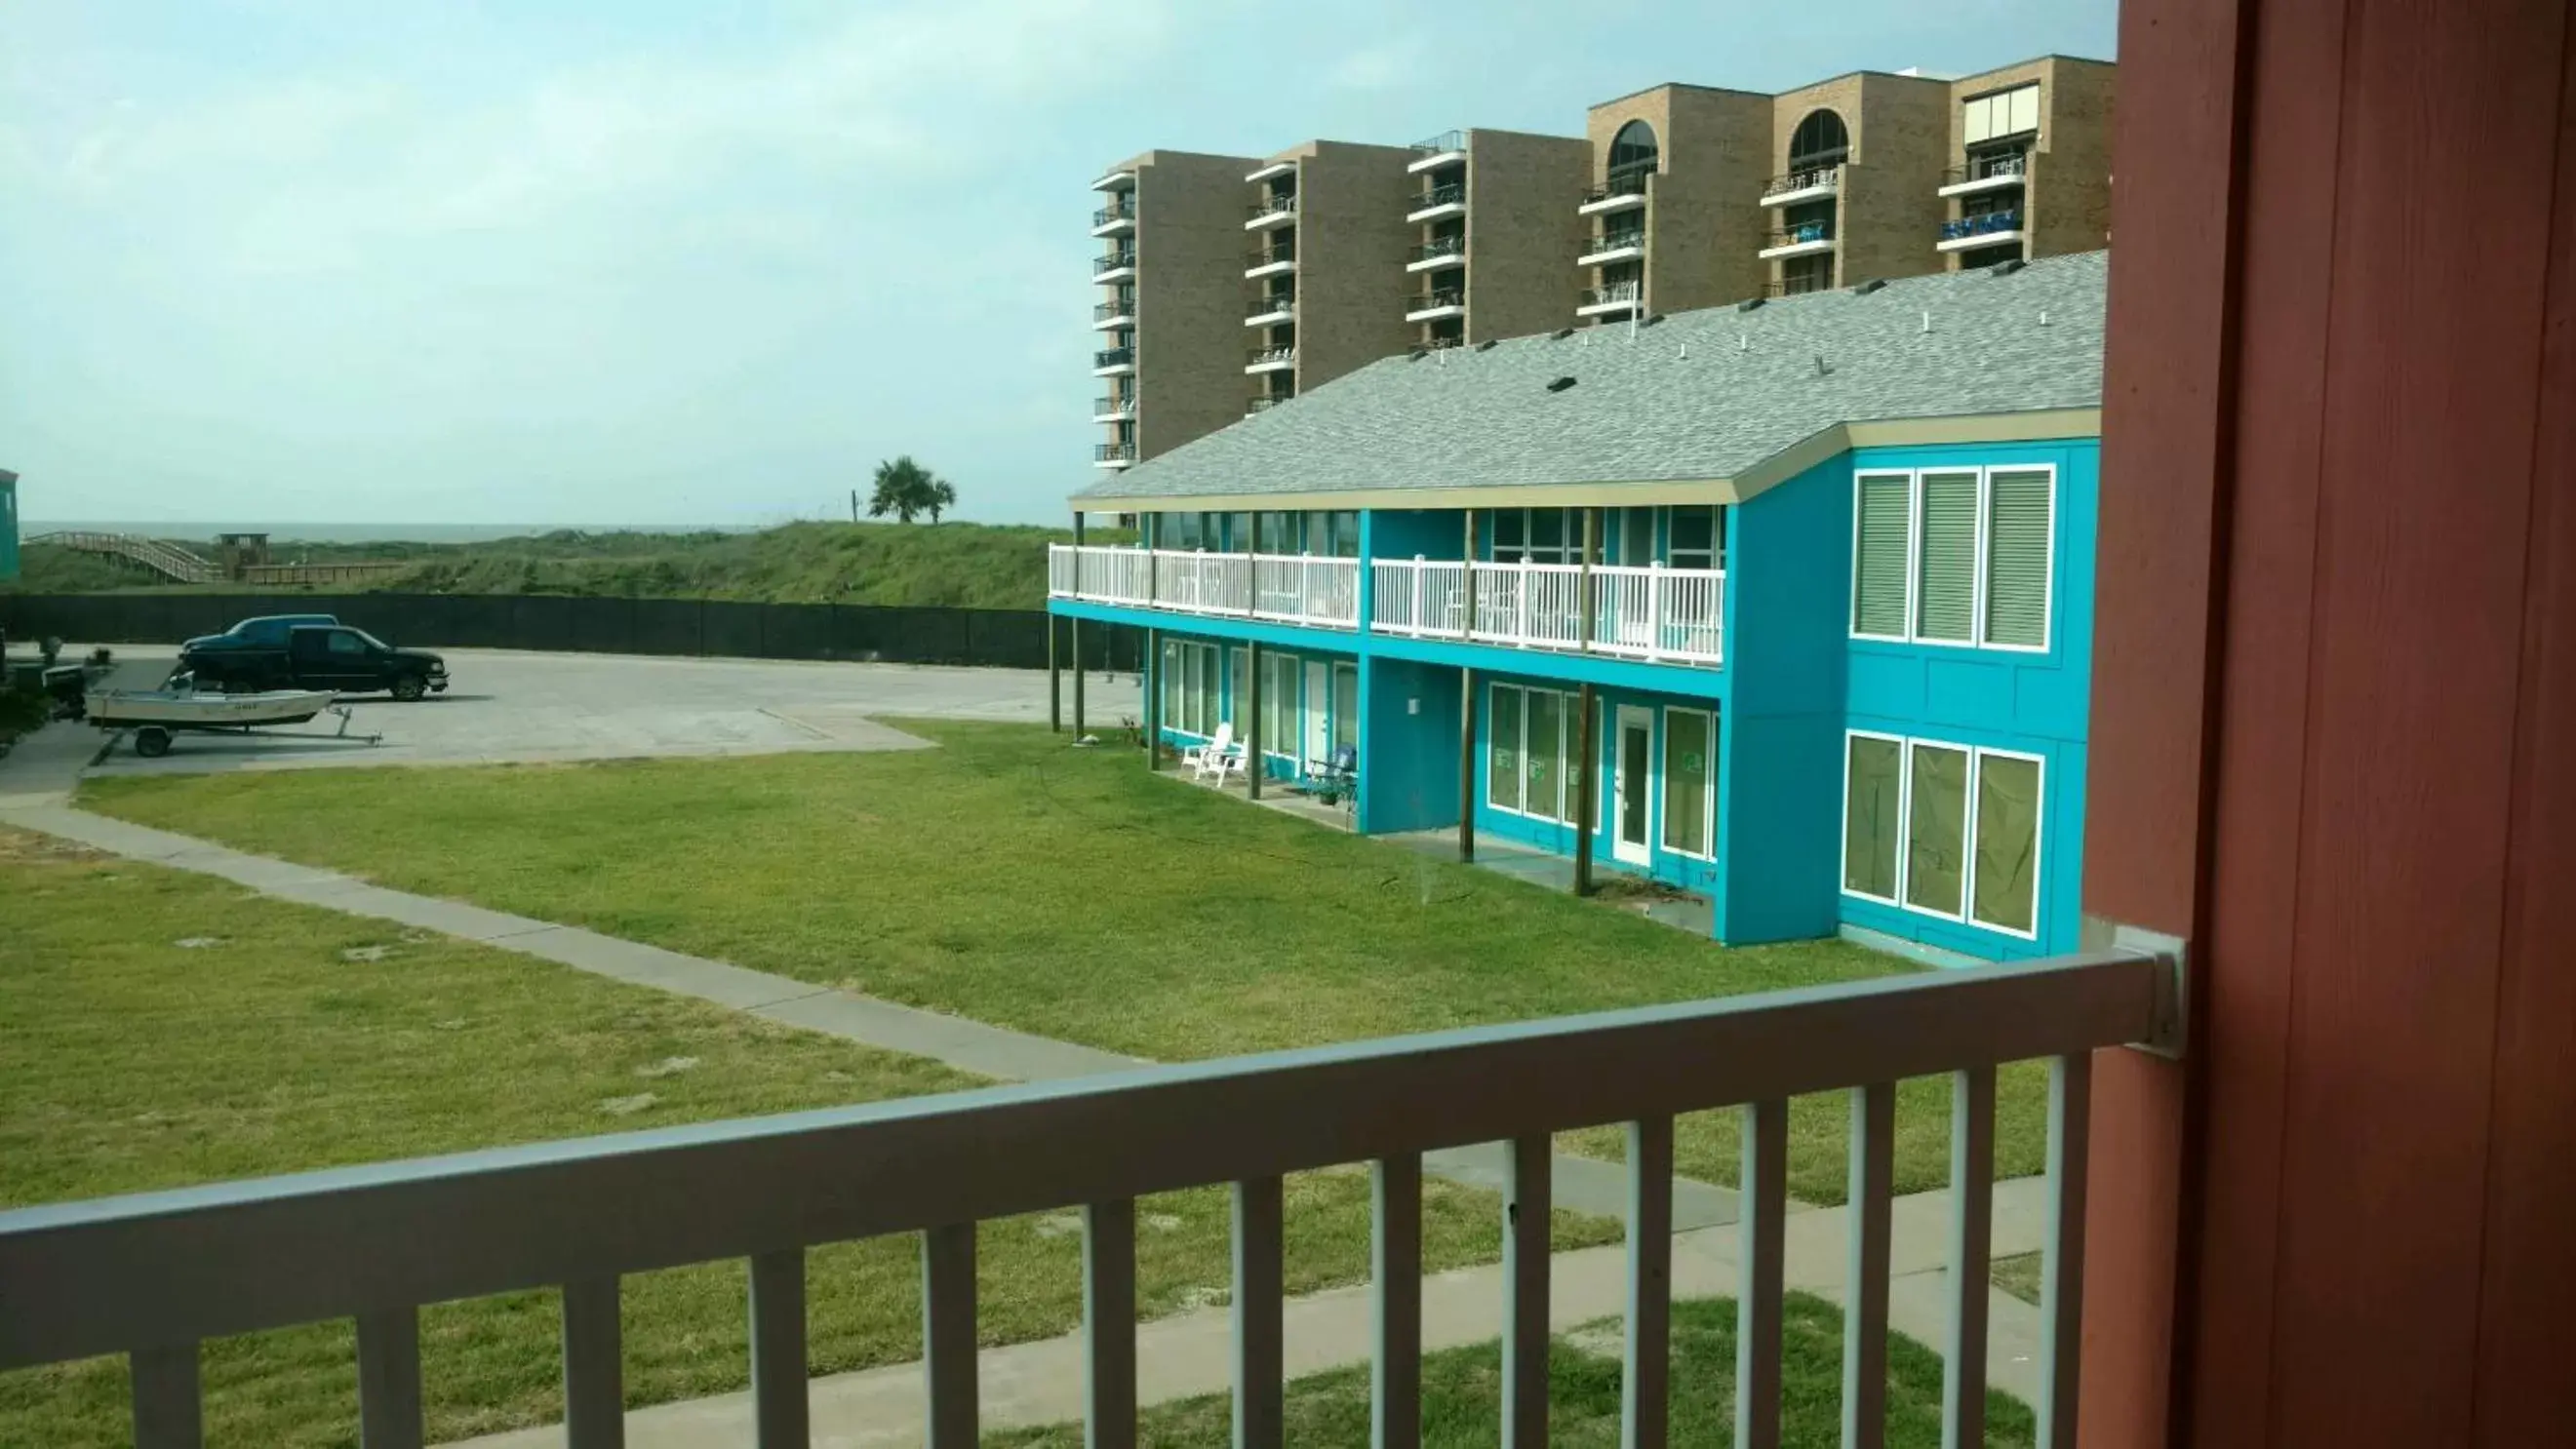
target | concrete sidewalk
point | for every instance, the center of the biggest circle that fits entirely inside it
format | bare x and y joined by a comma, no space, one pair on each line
1191,1354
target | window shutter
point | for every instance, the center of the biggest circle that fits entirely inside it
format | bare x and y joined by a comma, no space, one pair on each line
1878,561
2025,112
1949,558
2017,560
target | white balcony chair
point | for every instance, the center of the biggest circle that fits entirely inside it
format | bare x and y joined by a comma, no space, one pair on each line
1210,761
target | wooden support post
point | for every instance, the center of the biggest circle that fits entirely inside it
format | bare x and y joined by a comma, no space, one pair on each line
1587,789
1466,691
1252,667
1583,581
1151,677
1588,784
1074,629
1252,726
1466,764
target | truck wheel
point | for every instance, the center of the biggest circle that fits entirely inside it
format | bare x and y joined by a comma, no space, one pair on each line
410,687
151,742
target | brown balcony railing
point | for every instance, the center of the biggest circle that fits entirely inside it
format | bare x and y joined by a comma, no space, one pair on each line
1122,209
1437,297
1276,302
1124,307
1113,356
1455,191
153,1276
1265,256
1439,246
1611,241
1112,262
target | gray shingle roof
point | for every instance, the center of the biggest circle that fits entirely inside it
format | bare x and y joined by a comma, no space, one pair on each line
1699,395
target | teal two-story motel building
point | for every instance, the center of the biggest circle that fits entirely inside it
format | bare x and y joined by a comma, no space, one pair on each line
1819,569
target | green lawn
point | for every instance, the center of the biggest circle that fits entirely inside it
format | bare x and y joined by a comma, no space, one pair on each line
159,1029
1459,1398
1010,879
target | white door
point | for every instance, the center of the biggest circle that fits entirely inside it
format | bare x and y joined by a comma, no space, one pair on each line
1632,790
1319,688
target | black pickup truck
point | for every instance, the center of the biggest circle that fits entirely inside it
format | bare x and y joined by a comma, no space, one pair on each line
307,651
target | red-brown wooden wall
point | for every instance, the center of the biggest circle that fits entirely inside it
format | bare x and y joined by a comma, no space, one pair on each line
2335,704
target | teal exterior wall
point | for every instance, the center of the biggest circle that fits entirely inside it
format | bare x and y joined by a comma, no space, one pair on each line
1671,867
1408,746
1801,682
8,526
1793,684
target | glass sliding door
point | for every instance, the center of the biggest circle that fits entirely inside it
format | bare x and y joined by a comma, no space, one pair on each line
1318,713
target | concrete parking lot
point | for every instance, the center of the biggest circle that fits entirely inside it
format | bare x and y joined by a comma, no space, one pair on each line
504,706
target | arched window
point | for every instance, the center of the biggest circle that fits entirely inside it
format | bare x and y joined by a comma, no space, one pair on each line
1819,141
1632,150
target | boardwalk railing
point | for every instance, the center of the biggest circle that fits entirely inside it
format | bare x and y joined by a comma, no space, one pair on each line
168,560
1289,588
153,1276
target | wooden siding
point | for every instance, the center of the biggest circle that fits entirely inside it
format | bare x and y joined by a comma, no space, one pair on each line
2335,684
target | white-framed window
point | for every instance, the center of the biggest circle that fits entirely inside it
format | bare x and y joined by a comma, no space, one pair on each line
1538,535
1695,535
1690,782
1190,687
1944,829
1960,556
1531,737
1279,705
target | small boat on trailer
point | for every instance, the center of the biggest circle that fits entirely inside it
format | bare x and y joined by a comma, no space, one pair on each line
156,714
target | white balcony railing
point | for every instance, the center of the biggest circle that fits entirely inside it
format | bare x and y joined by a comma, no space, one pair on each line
1654,613
1288,588
155,1275
1666,615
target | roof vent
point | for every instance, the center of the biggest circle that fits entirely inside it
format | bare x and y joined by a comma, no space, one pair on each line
1872,285
1561,384
1489,344
1560,334
2007,268
1749,304
1651,321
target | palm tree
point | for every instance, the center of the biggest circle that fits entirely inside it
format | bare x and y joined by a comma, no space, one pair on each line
940,498
904,488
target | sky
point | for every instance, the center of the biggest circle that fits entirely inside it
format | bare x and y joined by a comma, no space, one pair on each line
670,262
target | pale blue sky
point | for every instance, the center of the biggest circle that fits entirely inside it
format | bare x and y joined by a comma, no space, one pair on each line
644,261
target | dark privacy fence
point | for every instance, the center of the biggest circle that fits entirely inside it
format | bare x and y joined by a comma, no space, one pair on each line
1010,638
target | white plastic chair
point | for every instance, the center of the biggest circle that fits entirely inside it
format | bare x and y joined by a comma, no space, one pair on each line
1208,761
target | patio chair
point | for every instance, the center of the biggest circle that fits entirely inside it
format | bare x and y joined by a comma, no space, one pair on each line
1208,761
1335,779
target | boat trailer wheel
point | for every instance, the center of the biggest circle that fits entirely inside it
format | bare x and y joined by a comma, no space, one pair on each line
151,742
